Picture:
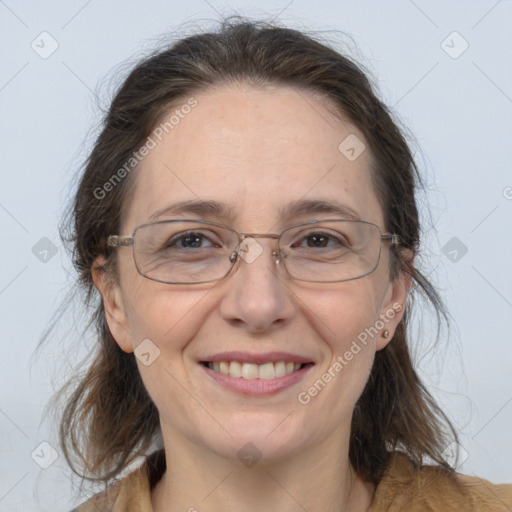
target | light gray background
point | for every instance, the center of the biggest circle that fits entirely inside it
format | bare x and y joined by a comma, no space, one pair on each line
459,110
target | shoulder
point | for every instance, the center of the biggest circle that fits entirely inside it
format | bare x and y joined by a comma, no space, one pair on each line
132,493
486,495
412,489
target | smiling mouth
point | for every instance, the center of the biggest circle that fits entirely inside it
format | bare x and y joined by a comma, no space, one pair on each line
251,371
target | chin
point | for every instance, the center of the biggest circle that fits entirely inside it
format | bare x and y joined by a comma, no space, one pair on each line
255,438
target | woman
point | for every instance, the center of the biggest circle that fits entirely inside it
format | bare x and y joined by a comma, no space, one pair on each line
248,218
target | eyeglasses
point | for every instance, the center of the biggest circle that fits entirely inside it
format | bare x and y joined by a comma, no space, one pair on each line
199,251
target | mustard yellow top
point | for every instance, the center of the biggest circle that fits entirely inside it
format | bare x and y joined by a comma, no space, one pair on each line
401,489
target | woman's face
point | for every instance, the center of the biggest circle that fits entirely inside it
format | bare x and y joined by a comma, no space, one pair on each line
256,151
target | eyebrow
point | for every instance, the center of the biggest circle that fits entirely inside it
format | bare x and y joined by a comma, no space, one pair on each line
308,206
302,207
198,207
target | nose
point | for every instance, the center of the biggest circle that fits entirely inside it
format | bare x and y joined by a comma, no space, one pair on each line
258,297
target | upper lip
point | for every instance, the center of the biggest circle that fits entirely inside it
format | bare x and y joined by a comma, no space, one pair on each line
247,357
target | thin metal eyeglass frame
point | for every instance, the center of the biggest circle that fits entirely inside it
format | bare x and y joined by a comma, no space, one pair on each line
118,241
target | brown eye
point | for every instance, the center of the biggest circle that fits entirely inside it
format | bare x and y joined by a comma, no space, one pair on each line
317,241
321,240
192,240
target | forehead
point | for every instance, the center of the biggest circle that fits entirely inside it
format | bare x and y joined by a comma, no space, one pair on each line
257,151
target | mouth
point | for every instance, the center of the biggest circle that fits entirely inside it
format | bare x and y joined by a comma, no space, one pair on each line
250,371
256,375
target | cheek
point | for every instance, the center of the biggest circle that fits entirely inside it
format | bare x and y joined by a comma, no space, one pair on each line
345,314
168,318
345,322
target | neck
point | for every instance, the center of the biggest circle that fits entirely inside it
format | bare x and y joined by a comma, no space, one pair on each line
318,479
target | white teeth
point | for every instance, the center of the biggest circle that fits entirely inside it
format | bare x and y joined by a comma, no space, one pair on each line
249,371
264,371
235,369
280,369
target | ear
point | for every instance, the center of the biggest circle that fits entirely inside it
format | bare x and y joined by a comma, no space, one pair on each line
115,312
393,308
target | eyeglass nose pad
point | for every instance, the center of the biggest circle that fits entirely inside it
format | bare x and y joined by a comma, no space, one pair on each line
236,253
278,256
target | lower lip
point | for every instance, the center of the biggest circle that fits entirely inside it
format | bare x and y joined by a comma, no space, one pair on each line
257,387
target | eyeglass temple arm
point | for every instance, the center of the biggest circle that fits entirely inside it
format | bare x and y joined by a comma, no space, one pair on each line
393,238
119,241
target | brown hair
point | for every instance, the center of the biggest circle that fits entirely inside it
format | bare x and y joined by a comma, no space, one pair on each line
109,420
